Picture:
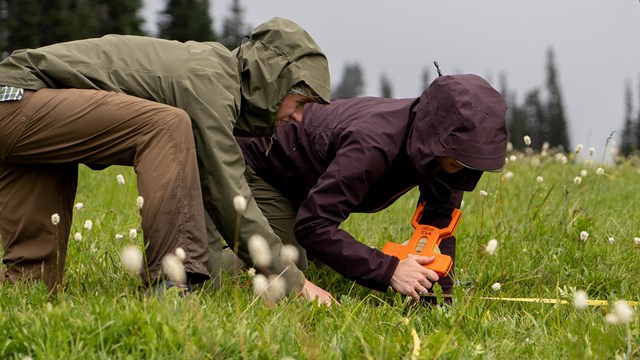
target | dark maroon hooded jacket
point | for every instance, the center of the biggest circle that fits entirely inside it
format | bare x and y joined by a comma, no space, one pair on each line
360,155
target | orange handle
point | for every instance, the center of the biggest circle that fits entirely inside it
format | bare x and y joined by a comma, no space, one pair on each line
433,236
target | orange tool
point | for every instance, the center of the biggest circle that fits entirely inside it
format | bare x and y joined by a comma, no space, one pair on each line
432,236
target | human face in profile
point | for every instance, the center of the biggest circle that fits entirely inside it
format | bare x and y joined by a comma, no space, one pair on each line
291,108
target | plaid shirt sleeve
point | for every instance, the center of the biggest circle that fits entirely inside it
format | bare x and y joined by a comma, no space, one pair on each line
8,93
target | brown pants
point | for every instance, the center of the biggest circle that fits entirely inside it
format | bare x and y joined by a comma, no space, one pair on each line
44,137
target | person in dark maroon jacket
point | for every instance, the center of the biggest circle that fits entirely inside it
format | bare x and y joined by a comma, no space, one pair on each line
362,154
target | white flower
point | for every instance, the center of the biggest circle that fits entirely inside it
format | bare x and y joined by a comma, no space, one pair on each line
174,269
131,258
240,204
539,179
623,311
276,289
611,240
600,171
592,151
251,272
139,202
545,146
611,319
583,173
119,236
577,180
77,236
580,299
289,253
508,175
496,286
513,158
79,206
584,235
88,224
483,193
120,179
491,247
259,251
579,148
527,140
133,233
561,158
260,283
181,254
509,146
55,219
636,240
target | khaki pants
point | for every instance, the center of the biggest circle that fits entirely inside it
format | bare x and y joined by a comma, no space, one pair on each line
44,137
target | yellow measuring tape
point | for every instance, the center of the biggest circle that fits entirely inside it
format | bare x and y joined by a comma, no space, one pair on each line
555,301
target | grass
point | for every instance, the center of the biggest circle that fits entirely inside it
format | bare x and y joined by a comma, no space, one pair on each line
101,314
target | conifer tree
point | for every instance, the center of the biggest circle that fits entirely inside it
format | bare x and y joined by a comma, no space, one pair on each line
234,27
352,83
21,24
426,79
558,129
119,17
386,90
538,126
628,136
185,20
636,128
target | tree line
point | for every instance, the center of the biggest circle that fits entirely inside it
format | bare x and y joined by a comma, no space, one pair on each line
33,23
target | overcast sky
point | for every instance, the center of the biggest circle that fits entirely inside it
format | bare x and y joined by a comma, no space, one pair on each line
596,45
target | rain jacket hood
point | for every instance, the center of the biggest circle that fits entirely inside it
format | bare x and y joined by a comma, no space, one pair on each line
278,55
463,117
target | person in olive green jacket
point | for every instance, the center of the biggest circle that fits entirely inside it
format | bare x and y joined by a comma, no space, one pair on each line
128,100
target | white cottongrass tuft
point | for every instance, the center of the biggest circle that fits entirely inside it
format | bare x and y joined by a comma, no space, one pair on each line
496,286
55,219
580,299
131,258
592,151
491,247
577,180
579,148
119,236
513,158
259,251
611,240
276,288
539,179
79,206
133,233
139,202
88,224
240,204
251,272
181,254
636,240
527,140
561,158
509,146
584,235
508,175
120,179
77,236
583,172
260,284
600,171
174,268
621,314
483,193
289,253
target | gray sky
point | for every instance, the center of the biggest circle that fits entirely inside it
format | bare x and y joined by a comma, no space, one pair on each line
593,41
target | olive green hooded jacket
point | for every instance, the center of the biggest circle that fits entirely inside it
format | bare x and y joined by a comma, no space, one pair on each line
203,79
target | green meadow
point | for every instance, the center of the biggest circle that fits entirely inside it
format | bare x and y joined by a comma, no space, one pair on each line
563,224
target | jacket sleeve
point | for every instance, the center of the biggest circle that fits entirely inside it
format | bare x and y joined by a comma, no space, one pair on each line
213,112
360,161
